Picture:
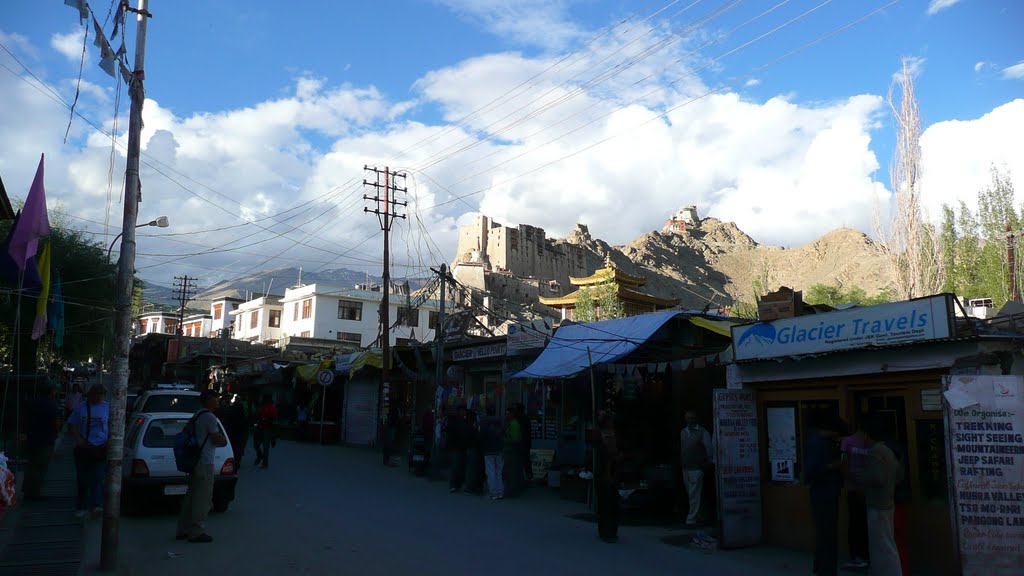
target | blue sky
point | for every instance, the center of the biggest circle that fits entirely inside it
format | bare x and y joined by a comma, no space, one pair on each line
261,106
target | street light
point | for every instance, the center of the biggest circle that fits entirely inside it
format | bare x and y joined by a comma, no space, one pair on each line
161,222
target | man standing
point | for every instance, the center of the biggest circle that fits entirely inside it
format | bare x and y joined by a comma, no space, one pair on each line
90,427
855,452
513,453
199,498
822,475
879,477
695,455
458,444
606,478
42,433
492,444
265,430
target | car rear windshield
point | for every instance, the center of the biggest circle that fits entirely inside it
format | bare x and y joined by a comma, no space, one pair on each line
161,433
171,403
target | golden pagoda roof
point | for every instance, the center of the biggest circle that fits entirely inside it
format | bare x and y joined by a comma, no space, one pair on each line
624,294
608,274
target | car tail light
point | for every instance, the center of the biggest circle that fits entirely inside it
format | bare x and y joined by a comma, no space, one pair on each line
139,468
228,469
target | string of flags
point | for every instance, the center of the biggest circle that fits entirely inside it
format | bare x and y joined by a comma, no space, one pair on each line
111,61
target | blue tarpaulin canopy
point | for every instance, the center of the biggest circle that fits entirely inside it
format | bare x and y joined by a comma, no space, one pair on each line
608,341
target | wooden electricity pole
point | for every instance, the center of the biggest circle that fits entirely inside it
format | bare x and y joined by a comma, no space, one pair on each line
386,199
109,543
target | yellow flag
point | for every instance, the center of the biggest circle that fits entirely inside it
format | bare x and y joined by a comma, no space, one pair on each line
39,326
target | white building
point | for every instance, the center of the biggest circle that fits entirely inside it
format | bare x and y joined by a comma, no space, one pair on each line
221,307
157,323
197,325
259,320
351,315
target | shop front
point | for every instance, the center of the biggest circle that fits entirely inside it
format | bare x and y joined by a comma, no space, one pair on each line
360,372
884,362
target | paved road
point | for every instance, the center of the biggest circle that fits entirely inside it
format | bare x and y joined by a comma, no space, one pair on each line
334,510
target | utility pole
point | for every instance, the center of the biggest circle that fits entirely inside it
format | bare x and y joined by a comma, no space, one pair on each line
109,544
1011,261
386,211
439,335
185,285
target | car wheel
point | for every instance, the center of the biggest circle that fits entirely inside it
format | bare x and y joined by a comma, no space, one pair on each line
220,505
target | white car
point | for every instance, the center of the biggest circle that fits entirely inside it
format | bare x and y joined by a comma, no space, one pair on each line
169,400
149,471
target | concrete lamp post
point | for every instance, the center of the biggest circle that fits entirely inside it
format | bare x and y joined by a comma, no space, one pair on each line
160,222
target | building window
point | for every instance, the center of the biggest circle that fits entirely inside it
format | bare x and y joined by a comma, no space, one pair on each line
432,320
408,316
254,320
348,310
218,310
304,334
275,318
307,308
350,337
295,312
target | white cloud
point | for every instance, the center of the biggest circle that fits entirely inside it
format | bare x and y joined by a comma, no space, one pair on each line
1015,72
752,82
70,45
979,66
914,66
542,23
936,6
957,155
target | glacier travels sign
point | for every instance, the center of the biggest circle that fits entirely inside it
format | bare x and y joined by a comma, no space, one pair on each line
881,325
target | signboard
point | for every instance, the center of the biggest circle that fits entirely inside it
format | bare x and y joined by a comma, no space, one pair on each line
986,454
540,462
526,337
325,377
477,352
738,469
881,325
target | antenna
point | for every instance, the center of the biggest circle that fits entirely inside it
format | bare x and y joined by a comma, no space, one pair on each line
300,277
269,288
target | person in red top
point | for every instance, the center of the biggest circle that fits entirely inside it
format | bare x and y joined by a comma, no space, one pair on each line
264,439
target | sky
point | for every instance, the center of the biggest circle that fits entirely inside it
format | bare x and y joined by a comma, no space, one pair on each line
260,117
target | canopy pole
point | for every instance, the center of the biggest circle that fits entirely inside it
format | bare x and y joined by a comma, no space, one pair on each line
593,422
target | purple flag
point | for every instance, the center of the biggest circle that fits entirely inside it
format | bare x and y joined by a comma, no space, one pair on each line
33,224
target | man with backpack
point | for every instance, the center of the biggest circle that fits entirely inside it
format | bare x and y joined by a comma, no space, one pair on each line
202,437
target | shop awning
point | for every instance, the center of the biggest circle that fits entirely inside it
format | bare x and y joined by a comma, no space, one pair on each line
720,327
566,353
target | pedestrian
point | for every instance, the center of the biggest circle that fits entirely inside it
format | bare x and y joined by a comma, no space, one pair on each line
74,399
880,477
526,445
513,454
302,420
266,416
606,477
492,443
42,434
855,452
199,497
474,457
232,411
458,446
822,474
696,454
90,428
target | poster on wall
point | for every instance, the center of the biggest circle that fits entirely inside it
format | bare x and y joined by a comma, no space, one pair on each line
782,471
782,434
738,470
985,437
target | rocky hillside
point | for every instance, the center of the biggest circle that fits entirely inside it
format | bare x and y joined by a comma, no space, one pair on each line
718,263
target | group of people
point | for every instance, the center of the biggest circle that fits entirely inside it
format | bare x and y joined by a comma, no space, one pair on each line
871,471
489,448
242,417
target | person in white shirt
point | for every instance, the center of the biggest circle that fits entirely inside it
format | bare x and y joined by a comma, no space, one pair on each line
695,454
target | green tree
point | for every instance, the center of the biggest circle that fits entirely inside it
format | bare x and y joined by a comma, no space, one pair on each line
87,282
596,303
586,307
834,295
948,241
608,303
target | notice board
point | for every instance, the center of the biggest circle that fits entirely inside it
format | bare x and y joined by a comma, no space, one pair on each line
737,469
984,428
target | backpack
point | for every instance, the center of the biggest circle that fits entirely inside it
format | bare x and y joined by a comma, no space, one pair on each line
187,449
